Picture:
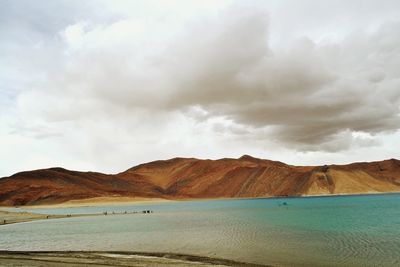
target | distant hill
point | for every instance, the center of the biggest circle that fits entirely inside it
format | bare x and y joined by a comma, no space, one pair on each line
190,178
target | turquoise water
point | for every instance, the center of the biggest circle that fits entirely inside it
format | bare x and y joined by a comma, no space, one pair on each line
317,231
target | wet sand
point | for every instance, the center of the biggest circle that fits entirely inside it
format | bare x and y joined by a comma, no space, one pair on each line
7,217
69,259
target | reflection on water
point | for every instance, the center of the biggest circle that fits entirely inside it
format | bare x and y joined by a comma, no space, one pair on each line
324,231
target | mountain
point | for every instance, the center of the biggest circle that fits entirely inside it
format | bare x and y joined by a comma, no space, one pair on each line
190,178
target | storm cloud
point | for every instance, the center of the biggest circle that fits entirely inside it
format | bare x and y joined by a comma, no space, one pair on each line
226,72
305,95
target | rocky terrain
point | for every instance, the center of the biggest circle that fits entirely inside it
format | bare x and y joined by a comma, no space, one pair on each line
190,178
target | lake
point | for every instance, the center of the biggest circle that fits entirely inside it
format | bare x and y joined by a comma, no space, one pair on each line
314,231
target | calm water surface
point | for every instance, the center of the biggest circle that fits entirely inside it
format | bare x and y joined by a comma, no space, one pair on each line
318,231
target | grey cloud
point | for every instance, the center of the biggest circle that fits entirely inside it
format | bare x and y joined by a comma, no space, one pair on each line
306,96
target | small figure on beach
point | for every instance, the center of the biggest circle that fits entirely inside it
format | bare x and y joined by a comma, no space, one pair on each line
105,213
4,221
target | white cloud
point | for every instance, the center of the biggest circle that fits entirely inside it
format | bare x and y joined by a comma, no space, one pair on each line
127,82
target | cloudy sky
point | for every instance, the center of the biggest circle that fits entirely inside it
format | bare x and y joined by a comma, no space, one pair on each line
105,85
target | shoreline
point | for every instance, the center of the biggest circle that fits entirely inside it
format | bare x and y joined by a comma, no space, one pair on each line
99,201
113,258
117,200
12,217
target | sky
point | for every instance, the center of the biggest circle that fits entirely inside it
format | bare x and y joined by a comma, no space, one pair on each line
106,85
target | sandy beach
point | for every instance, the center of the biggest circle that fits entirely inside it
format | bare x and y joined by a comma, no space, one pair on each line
101,201
76,259
8,217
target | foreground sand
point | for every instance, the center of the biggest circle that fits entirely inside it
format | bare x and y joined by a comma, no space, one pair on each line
69,259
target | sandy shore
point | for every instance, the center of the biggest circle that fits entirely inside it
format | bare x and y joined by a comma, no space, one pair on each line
69,259
101,201
118,200
8,217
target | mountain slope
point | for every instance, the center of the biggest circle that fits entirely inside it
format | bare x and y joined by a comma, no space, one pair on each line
57,185
182,178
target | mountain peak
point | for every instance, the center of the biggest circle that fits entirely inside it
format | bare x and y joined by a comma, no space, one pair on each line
247,157
190,178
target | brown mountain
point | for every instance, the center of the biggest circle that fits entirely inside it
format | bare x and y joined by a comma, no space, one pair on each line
185,178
